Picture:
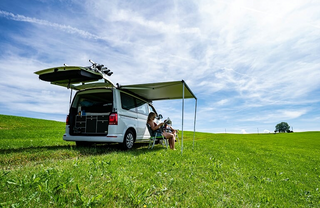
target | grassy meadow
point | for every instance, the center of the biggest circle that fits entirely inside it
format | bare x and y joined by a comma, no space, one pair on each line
39,169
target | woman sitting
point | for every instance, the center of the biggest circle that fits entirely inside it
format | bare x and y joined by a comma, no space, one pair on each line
171,137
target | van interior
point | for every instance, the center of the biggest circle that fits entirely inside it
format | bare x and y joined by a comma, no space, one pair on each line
89,113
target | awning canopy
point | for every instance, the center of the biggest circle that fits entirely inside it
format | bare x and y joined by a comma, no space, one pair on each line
160,91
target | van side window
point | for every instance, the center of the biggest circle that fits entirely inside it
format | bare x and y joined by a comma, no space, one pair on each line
151,109
142,107
127,102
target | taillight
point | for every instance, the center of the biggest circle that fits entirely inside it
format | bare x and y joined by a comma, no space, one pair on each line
113,119
67,120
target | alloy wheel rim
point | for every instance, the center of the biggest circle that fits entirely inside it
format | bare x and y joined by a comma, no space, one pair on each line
129,140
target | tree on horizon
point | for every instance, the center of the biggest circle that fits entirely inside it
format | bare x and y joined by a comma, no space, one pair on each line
282,127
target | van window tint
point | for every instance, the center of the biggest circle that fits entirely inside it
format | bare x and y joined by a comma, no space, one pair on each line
127,102
143,109
151,109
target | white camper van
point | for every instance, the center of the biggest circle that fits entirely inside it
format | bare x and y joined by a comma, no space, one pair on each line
100,111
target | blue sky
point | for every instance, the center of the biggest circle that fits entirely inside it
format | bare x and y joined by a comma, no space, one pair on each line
251,64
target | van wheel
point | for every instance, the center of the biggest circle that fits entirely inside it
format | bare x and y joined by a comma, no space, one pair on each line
128,140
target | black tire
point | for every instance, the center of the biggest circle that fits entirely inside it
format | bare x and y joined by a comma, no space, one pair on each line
128,140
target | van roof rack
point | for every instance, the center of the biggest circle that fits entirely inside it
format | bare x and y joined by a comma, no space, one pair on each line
100,68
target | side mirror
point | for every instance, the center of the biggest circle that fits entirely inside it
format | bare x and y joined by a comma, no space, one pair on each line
160,116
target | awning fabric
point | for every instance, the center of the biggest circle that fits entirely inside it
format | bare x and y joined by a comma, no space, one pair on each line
160,91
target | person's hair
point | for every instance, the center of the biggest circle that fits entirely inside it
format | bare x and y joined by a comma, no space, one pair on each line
151,114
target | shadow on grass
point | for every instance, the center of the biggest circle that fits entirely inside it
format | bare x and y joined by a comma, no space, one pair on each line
94,149
100,149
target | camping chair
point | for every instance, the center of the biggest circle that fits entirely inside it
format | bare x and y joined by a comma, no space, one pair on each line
154,135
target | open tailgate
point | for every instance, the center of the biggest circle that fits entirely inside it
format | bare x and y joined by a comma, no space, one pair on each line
69,76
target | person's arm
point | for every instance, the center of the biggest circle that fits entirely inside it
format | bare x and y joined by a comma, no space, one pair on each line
154,127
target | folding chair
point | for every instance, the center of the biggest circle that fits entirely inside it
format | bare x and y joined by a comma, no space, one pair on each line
154,135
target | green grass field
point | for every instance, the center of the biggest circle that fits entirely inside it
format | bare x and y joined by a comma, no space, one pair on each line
39,169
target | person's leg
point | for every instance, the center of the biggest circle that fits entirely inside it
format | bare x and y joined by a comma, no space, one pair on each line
170,137
175,135
167,136
173,141
170,141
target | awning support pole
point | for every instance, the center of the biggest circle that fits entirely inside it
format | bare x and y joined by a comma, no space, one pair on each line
194,125
70,98
182,117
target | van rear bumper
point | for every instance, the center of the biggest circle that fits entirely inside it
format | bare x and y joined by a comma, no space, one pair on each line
108,138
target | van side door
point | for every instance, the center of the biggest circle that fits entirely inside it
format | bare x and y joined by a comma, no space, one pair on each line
128,112
142,112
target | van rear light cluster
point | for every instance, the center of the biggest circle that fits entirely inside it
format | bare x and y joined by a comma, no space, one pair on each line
67,120
113,119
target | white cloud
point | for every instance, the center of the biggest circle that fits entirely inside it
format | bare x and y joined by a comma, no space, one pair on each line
65,28
293,114
278,115
243,131
222,102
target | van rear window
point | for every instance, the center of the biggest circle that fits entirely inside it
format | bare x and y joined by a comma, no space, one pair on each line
100,102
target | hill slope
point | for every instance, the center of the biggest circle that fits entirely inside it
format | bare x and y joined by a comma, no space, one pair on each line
39,169
17,132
